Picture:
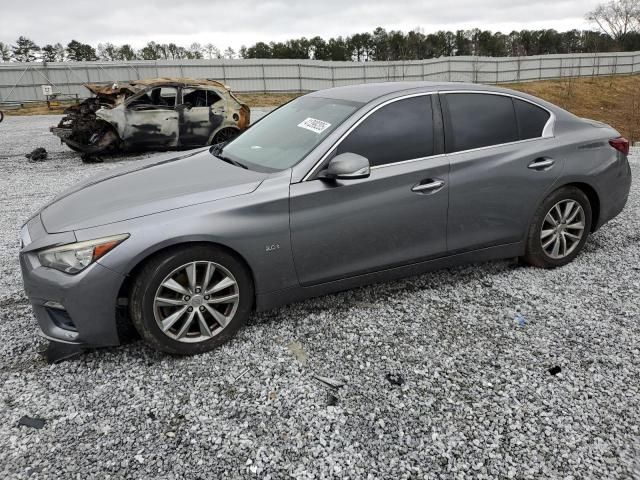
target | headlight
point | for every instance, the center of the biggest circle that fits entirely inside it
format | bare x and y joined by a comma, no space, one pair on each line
75,257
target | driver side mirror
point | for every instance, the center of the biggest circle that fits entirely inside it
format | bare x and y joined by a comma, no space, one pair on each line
347,166
184,106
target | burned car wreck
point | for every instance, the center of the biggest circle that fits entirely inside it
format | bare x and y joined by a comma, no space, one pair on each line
153,114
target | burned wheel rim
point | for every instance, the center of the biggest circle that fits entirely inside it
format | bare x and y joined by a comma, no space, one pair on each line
562,229
225,135
196,301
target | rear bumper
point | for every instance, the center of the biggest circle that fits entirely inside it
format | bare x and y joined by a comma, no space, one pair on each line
78,309
615,193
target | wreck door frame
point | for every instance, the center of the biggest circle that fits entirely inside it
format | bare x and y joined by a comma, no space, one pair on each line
153,128
197,124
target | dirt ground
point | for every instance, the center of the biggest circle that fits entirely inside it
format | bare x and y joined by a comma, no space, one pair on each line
613,100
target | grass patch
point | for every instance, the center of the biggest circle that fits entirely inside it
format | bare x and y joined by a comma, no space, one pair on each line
614,100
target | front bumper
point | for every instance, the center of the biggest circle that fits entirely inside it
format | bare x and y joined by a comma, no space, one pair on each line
78,309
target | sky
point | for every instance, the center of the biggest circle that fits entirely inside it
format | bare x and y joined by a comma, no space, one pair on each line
244,22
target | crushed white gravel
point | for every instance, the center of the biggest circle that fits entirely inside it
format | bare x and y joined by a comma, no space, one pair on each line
428,377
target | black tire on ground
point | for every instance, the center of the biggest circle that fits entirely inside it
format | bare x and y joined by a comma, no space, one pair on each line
535,254
225,135
75,149
1,116
148,280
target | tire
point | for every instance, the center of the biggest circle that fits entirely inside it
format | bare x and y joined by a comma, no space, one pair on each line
544,234
75,149
1,116
152,303
225,135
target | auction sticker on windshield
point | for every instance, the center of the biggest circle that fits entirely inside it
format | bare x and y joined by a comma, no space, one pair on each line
315,125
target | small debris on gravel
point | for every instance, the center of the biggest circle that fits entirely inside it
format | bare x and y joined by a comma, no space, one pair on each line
332,400
555,370
242,374
520,319
395,379
32,422
37,155
299,353
330,382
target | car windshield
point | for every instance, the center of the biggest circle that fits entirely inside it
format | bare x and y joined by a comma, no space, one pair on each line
288,134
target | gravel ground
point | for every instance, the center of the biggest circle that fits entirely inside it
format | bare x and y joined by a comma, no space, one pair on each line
470,392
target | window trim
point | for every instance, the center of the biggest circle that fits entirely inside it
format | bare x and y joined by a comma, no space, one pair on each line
547,131
333,147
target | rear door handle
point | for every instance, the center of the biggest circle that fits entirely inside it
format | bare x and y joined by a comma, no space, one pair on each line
541,164
428,186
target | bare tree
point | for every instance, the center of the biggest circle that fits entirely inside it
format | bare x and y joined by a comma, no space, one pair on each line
212,51
617,18
195,51
107,51
229,53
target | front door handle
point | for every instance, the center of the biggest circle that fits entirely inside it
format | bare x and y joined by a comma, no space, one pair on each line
428,186
541,164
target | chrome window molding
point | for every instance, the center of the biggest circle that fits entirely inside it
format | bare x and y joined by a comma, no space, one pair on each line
547,131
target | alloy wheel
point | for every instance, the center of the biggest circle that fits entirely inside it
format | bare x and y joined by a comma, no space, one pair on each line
196,301
562,229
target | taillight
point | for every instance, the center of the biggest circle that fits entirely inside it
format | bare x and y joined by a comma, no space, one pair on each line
621,144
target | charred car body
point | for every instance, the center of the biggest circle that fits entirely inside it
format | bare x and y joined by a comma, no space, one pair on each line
154,114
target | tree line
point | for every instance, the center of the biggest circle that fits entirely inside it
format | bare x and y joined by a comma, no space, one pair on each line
617,29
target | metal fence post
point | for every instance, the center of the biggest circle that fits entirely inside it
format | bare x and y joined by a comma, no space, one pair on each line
540,70
299,78
33,82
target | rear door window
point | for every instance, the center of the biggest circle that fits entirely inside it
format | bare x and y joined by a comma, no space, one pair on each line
199,97
402,130
475,120
531,119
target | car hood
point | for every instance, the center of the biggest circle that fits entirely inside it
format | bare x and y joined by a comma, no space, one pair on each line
164,182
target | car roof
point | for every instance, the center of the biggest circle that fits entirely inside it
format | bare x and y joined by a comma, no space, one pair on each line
367,92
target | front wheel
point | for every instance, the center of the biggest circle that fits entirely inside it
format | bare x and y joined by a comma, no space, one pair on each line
559,228
191,299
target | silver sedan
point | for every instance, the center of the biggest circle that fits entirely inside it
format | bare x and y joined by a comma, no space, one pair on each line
333,190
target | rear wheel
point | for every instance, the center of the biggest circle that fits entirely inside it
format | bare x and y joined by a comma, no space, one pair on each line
559,228
191,300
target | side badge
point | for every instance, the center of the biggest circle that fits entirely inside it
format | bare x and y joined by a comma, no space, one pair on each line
271,248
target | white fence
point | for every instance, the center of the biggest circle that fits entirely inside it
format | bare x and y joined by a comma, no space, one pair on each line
22,81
